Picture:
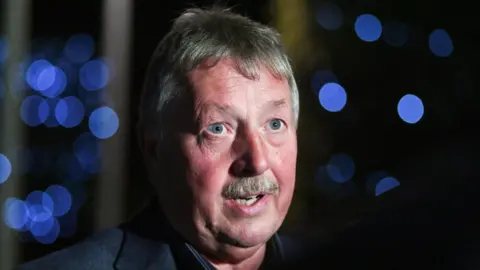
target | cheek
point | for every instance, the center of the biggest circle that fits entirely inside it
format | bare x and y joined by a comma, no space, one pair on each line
206,174
285,167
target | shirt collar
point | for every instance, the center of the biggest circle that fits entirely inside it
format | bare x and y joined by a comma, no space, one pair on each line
152,224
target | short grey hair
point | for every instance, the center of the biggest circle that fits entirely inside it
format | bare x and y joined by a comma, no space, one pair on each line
198,35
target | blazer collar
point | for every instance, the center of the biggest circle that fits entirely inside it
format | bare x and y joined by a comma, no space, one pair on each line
150,242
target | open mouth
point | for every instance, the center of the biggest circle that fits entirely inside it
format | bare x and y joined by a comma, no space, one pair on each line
249,200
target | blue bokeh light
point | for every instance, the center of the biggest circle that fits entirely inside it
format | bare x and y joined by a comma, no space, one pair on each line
410,109
15,213
5,168
94,75
329,16
87,150
385,185
41,198
62,200
48,232
41,220
69,112
440,43
79,48
34,110
40,75
341,168
58,85
395,33
322,77
103,122
368,27
332,97
331,188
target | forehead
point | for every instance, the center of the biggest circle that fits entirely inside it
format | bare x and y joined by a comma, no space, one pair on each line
224,83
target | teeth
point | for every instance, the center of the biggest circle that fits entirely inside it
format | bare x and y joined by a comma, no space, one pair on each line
247,201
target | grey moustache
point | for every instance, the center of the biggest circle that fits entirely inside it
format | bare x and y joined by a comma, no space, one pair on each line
246,187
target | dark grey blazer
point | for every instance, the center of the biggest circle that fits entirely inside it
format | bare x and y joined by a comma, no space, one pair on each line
147,242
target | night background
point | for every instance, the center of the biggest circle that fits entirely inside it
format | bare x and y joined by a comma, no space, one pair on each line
387,131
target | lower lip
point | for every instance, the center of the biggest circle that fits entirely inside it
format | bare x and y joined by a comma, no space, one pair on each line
250,210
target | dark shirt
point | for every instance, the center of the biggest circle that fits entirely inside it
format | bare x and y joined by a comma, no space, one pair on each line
146,242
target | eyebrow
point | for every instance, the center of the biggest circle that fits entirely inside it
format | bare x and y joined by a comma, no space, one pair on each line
268,106
273,104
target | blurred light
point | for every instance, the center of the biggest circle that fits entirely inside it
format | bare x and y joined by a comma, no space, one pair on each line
329,16
440,43
341,168
41,220
395,33
41,75
87,150
3,49
368,27
58,85
332,97
34,110
69,112
331,188
103,122
52,231
322,77
5,168
51,120
15,213
385,185
94,75
62,199
79,48
373,179
410,109
41,198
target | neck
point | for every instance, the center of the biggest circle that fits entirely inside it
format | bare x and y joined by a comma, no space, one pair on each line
248,260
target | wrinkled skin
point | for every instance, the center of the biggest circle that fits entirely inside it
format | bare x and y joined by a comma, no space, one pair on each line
229,127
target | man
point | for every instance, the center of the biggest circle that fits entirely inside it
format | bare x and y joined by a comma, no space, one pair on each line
217,129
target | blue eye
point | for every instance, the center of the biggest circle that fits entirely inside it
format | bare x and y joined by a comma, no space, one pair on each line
275,124
216,128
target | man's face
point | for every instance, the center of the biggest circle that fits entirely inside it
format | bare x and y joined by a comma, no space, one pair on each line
238,159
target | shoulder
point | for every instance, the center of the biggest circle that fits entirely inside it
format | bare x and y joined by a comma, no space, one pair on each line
97,252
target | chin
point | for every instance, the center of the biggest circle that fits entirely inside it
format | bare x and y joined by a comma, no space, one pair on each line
250,233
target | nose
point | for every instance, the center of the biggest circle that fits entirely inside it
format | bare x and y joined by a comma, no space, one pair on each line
251,157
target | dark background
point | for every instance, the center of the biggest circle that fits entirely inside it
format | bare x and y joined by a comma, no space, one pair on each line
435,160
